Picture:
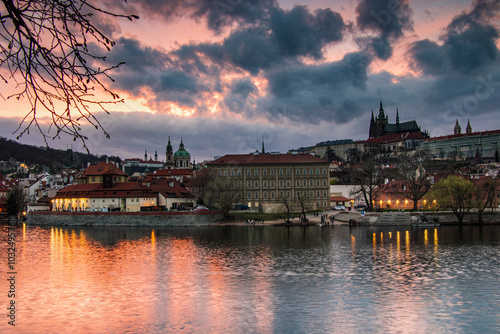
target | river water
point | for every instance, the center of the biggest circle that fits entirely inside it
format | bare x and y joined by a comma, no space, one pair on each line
254,280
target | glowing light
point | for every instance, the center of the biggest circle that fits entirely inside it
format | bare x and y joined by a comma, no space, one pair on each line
176,110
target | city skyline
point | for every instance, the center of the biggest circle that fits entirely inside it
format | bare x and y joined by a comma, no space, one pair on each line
226,74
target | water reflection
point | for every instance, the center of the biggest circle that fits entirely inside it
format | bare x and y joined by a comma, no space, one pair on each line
258,279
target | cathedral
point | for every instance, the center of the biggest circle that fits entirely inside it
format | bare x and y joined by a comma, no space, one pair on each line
380,125
181,159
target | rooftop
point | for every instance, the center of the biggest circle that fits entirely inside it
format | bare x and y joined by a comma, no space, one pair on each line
266,158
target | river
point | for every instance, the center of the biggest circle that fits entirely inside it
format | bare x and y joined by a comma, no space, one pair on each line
255,279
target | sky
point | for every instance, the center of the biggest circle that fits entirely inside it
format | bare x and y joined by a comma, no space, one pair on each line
224,75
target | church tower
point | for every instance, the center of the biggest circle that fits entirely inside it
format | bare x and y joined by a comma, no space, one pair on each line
169,160
457,129
145,155
468,129
381,121
371,133
182,158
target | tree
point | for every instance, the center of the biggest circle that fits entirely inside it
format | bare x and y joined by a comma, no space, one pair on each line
411,170
484,196
46,47
287,206
454,193
366,177
16,201
303,201
222,193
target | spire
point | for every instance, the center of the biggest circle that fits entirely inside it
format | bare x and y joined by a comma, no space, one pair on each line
457,130
397,116
468,129
145,155
381,114
373,118
263,149
156,155
181,146
169,146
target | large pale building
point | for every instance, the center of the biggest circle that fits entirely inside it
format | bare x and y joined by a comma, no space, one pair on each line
264,179
469,145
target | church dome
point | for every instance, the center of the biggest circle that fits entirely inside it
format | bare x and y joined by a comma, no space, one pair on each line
181,153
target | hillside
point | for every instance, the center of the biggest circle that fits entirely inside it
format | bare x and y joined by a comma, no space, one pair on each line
53,158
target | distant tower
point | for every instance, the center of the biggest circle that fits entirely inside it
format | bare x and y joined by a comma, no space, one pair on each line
169,160
457,129
263,150
156,156
182,158
397,116
371,132
145,155
468,129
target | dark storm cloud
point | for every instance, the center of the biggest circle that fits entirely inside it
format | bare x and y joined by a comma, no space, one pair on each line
388,19
239,92
284,38
298,32
469,44
217,13
313,93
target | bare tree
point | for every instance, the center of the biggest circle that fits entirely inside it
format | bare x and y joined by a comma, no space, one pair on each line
287,206
304,201
222,193
411,170
366,176
484,196
45,48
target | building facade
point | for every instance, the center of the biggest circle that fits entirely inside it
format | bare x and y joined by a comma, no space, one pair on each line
264,180
484,145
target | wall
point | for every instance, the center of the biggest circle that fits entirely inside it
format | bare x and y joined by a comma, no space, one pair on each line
123,218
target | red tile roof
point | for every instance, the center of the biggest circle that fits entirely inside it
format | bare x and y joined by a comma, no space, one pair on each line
482,133
266,158
171,172
103,168
397,137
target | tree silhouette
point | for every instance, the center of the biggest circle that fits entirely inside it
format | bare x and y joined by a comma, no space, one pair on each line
45,49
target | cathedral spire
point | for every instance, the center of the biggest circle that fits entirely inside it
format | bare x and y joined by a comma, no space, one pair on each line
397,116
457,130
381,113
468,129
263,149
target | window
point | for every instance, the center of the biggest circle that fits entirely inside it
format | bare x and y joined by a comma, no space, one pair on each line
311,194
256,194
232,172
249,172
272,171
238,172
249,184
249,195
297,171
264,183
311,183
281,171
264,172
324,171
281,194
298,183
288,171
304,183
317,183
311,171
256,183
272,183
265,194
288,194
93,178
324,182
324,193
225,173
281,183
256,172
288,183
317,194
218,173
304,171
317,171
272,194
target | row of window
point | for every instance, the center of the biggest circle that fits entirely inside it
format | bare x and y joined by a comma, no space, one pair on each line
282,194
255,172
282,183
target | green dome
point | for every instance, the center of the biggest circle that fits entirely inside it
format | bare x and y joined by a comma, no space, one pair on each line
181,153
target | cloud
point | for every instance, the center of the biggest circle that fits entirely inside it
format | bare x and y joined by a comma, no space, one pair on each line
469,44
387,19
310,93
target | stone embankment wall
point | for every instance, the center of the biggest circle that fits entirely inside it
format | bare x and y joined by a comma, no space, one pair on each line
123,218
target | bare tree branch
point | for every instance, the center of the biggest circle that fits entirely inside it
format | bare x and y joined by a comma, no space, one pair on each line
44,46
